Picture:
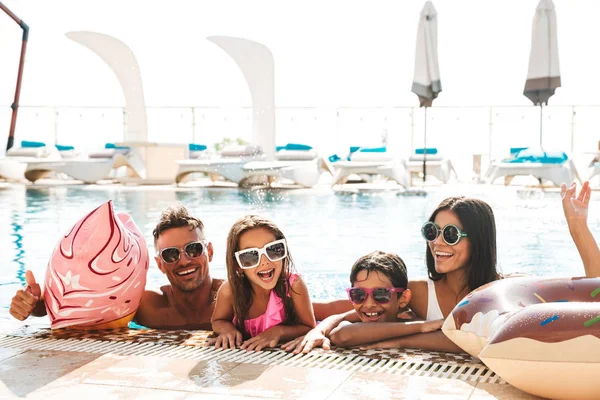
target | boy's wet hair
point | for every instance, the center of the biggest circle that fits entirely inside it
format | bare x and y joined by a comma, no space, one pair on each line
389,264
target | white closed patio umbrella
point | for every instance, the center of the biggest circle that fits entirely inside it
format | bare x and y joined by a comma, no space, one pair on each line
426,81
543,75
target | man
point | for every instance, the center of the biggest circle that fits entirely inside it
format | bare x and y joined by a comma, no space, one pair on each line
183,254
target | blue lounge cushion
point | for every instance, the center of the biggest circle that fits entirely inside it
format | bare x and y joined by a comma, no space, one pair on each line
373,149
539,156
354,149
515,150
432,150
294,147
29,144
334,158
197,147
61,147
297,146
113,146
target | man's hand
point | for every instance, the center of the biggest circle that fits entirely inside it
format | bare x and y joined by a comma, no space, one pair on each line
268,338
575,208
306,343
26,299
227,340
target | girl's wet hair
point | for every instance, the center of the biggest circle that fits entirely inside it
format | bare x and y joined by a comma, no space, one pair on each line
389,264
477,219
240,286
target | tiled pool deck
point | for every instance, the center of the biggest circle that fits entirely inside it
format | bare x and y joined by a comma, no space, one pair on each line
38,363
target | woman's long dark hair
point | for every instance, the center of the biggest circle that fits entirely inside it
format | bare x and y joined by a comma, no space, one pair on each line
240,286
477,219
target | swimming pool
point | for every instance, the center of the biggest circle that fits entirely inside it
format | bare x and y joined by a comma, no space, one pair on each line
326,232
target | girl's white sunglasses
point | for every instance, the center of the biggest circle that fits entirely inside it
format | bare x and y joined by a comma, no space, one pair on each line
250,258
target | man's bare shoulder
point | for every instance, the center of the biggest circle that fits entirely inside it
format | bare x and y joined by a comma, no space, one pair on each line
155,298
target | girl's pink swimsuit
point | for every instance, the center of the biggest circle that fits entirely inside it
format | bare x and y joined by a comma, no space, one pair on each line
273,316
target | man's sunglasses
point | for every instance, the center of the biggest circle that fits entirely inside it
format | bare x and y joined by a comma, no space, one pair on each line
382,295
250,258
171,255
451,234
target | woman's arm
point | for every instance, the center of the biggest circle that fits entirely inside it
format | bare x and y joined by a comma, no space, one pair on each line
222,319
587,248
434,341
348,335
576,212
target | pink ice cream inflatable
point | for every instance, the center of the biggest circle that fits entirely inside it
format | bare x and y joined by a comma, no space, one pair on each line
97,273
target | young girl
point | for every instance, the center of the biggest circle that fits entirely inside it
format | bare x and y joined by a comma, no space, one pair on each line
264,300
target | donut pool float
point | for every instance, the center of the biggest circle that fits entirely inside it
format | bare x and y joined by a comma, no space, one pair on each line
540,335
97,273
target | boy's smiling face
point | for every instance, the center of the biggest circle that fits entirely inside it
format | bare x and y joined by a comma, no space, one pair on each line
370,310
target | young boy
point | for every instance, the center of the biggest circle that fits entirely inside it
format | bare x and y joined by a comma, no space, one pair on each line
379,295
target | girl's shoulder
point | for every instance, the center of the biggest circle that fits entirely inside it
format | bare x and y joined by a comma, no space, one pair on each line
225,289
294,279
296,285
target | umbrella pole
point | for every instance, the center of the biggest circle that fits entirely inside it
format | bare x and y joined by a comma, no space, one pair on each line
15,104
541,148
425,148
541,120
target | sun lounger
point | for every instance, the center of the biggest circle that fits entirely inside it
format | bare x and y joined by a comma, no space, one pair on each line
91,168
368,163
13,165
437,165
554,166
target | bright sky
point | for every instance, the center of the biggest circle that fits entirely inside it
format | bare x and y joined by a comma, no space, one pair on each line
328,53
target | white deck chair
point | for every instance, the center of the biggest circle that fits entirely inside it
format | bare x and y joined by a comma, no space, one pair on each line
228,164
554,166
371,162
14,164
303,167
437,164
89,169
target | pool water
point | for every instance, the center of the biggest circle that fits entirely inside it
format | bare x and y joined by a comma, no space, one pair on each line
326,232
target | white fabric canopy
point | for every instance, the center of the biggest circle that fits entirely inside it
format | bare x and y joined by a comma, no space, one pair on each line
426,81
543,76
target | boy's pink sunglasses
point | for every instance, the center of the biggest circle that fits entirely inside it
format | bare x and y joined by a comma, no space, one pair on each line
358,295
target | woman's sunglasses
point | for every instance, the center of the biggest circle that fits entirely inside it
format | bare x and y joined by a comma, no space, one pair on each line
379,295
450,233
171,255
250,258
